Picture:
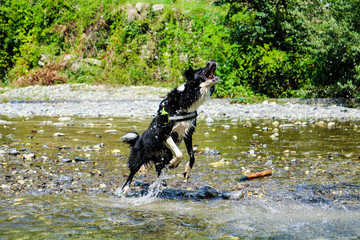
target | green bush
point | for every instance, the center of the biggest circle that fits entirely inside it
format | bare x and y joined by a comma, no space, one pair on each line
264,48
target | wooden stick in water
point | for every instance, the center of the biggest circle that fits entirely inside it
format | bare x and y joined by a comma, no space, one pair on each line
256,175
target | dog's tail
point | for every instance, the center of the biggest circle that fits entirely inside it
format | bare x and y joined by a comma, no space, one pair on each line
130,138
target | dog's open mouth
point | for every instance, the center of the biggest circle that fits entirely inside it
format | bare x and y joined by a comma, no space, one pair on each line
210,70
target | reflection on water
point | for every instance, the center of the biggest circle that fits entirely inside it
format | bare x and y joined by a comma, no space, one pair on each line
313,192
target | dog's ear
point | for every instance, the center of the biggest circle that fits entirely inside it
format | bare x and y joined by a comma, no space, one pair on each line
189,74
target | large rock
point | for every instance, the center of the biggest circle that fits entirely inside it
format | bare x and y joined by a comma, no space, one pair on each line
93,60
141,6
207,192
158,7
132,13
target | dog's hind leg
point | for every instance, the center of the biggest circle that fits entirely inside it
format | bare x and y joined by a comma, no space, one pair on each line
189,165
126,187
161,170
175,150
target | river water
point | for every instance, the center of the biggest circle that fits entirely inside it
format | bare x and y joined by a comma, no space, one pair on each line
57,178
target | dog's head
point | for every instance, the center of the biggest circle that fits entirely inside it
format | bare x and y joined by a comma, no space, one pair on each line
204,77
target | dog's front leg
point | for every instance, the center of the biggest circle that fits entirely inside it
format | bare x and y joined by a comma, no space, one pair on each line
175,150
189,148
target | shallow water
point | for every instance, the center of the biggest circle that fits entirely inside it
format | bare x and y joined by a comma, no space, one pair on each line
314,190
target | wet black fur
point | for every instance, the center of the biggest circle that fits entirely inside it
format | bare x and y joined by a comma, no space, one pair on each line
150,147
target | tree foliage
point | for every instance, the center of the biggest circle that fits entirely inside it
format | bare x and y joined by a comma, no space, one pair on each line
276,48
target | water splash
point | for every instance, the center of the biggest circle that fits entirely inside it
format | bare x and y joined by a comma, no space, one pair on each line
153,191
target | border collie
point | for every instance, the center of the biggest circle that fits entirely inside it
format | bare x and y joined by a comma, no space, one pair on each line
175,121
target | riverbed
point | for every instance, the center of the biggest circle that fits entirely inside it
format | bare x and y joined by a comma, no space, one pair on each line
59,173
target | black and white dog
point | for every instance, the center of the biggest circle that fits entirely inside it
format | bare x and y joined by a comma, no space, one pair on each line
175,121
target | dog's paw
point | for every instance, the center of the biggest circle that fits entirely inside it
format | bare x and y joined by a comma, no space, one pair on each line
118,192
121,192
187,171
172,166
186,175
164,183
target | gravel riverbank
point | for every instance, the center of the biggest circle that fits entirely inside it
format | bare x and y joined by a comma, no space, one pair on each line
142,101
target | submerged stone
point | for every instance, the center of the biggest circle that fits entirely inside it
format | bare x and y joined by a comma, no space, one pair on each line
80,159
235,195
13,151
207,192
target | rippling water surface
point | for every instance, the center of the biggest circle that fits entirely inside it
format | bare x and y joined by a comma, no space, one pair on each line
313,191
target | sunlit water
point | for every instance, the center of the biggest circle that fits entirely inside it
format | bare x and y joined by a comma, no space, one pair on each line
312,193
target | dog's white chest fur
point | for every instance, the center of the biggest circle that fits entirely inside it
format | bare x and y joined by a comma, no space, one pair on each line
182,128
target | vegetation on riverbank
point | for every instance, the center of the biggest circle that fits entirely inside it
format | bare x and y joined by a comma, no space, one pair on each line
288,48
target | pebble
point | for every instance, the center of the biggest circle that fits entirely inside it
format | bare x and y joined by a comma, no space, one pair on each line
58,134
234,121
209,120
320,124
226,126
116,152
65,160
331,124
29,156
268,163
252,153
47,123
99,146
247,172
210,151
63,179
64,119
5,186
59,124
274,136
80,159
112,131
287,125
10,136
13,151
236,195
3,122
275,124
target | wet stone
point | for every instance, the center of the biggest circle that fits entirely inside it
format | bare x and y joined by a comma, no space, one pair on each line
58,134
207,192
80,159
13,152
11,136
3,122
66,160
210,151
64,119
63,179
209,120
111,131
235,195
